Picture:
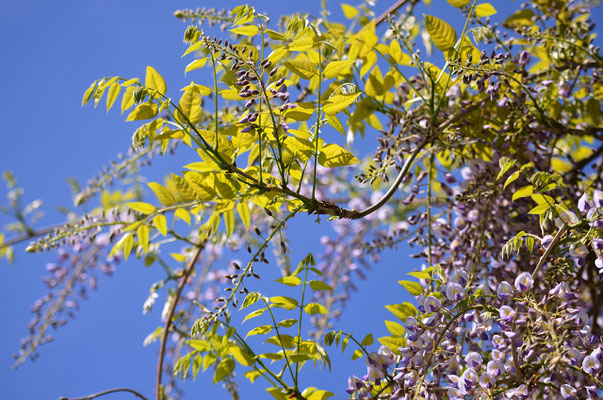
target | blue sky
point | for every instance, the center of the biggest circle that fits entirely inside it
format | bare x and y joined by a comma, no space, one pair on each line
52,51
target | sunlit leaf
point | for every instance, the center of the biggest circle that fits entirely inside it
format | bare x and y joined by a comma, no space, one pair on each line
160,223
441,33
246,30
333,155
143,111
165,197
155,81
335,68
485,10
143,208
113,94
224,369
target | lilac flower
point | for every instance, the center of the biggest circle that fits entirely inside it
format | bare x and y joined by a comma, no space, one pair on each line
507,314
486,381
431,304
584,203
568,392
474,360
454,292
598,198
524,58
522,391
524,282
504,291
495,367
468,380
354,384
591,364
546,241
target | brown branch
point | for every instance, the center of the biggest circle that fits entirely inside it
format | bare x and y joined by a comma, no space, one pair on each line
556,239
28,235
99,394
390,11
187,273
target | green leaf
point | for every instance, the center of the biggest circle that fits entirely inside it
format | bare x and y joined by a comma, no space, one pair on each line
155,81
305,69
246,30
349,11
254,314
224,369
284,302
190,106
312,393
315,308
88,94
199,345
520,18
511,178
394,328
339,103
143,208
287,341
523,192
229,221
319,285
335,68
402,311
259,330
357,354
113,94
484,10
198,63
394,343
504,163
413,288
458,3
244,213
160,223
304,43
143,236
333,155
242,356
250,299
143,111
367,341
289,280
127,100
196,365
441,33
334,122
182,214
165,196
419,274
286,323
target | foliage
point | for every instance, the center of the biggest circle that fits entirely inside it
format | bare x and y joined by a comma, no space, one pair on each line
508,303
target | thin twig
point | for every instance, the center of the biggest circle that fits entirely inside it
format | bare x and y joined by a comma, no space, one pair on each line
99,394
168,321
389,11
557,237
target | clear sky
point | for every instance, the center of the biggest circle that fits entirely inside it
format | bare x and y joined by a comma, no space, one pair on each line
51,53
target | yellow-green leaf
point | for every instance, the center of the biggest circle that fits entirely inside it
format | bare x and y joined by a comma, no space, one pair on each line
183,215
285,302
485,10
190,106
143,236
165,197
349,11
229,221
458,3
289,280
127,100
143,208
224,369
242,356
315,308
259,330
441,33
394,328
254,314
413,288
155,81
334,122
244,213
88,94
143,111
335,68
511,178
338,103
113,94
333,155
320,285
402,311
304,43
523,192
160,223
199,63
246,30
